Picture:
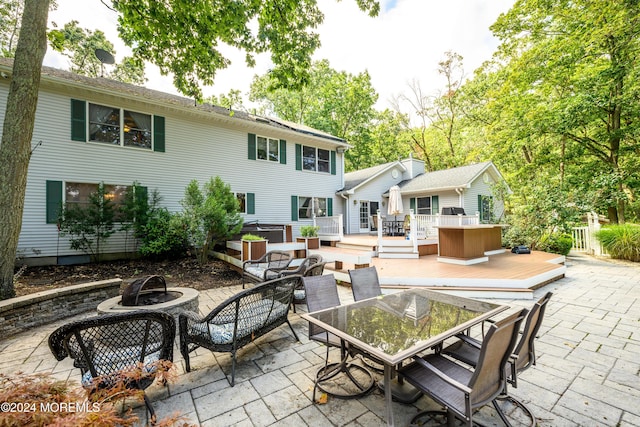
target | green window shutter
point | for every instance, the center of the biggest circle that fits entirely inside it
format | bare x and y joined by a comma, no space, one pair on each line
158,134
251,149
480,207
435,205
330,206
78,120
54,201
298,157
283,151
294,208
251,203
141,194
333,163
412,204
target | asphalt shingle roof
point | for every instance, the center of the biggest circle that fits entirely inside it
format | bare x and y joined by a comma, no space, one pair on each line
444,179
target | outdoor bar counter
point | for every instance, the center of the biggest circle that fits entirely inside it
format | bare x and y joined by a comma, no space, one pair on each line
469,244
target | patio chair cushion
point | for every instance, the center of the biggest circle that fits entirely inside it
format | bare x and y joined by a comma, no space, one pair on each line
109,362
222,333
258,271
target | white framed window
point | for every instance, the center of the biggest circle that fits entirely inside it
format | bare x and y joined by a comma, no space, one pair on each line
242,202
267,149
307,206
316,159
117,126
423,205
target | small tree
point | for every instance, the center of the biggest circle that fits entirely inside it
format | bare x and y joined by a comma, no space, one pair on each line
91,225
211,215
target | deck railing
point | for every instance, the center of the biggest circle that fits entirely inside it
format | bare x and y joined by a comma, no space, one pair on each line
426,224
330,227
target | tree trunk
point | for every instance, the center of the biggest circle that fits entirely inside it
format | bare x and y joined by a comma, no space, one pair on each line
15,150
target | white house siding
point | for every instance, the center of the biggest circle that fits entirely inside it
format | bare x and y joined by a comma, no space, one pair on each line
372,191
195,149
479,187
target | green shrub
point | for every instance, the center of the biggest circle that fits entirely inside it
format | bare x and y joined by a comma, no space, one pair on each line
557,243
164,236
253,237
89,226
309,230
621,241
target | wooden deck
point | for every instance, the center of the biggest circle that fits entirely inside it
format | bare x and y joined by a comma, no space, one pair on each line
505,275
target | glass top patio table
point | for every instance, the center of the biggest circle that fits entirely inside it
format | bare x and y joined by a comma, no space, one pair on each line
397,326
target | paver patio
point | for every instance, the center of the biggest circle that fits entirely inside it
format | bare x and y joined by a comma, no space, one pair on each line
588,370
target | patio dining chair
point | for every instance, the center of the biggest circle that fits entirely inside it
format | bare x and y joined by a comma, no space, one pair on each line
322,293
365,283
267,267
467,350
124,347
461,390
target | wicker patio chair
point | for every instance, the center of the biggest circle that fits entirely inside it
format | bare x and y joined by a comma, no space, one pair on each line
267,267
238,320
322,293
467,350
460,390
310,266
105,347
365,283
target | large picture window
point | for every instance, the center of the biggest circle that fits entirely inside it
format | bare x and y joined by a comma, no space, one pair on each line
316,159
268,149
77,194
307,206
117,126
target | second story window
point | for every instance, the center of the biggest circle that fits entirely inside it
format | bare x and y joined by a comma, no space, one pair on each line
268,149
117,126
315,159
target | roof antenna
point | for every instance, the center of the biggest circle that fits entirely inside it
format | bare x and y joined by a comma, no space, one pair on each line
105,58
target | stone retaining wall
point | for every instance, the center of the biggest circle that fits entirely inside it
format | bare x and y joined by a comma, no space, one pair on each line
23,313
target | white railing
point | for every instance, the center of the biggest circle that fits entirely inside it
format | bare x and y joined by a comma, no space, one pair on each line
330,226
581,242
426,224
584,238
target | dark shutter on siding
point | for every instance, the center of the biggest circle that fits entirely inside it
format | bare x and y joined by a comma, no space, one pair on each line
294,208
480,197
158,134
251,203
251,146
54,201
298,157
435,205
333,163
412,204
283,151
330,206
78,120
141,194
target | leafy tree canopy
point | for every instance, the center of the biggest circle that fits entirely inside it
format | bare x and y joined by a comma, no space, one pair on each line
185,38
80,45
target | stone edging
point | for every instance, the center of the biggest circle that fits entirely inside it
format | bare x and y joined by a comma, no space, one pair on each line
22,313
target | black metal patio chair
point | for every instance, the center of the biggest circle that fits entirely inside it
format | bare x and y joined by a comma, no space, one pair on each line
117,347
457,388
322,293
467,350
365,283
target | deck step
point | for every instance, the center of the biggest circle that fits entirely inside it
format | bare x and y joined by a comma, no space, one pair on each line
356,246
398,255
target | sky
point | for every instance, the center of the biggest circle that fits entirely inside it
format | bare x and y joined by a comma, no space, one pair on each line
403,44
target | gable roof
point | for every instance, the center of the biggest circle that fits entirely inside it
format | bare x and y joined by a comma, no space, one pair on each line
352,180
448,179
61,78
